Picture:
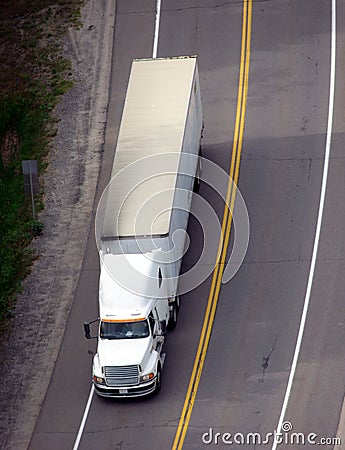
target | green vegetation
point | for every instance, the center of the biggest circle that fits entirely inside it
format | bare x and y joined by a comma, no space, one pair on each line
33,75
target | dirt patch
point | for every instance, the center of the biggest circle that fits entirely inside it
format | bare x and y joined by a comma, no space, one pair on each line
31,344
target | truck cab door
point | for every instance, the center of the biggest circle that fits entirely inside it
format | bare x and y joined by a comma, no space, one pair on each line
158,335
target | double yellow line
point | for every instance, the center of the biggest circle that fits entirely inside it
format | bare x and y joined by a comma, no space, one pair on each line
225,234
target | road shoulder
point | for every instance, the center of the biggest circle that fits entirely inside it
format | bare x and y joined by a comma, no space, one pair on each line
31,344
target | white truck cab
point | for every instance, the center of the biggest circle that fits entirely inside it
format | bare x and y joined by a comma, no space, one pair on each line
131,334
130,356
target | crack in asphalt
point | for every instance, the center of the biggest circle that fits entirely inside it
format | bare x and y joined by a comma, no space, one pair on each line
193,8
220,5
295,260
309,168
169,423
265,360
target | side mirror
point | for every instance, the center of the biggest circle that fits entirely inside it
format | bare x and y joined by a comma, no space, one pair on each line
87,330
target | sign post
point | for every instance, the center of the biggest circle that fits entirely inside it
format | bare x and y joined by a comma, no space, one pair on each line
31,186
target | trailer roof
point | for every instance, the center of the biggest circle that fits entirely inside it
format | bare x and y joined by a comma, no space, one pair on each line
153,122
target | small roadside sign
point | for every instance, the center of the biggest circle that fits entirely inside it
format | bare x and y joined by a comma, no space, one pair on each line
30,172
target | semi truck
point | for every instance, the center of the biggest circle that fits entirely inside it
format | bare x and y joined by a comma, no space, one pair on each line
141,224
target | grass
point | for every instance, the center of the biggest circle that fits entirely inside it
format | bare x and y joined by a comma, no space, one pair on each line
32,79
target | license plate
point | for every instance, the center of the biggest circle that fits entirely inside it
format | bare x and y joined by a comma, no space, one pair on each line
123,391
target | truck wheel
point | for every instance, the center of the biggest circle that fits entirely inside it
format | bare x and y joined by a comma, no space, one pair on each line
178,303
173,318
196,185
158,381
197,182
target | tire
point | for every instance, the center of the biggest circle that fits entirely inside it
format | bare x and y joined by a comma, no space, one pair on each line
197,182
178,303
158,381
173,319
196,185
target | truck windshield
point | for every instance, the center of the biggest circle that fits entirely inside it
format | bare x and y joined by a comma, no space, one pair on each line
124,330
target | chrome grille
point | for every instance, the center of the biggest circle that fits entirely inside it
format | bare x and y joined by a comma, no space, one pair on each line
122,381
121,375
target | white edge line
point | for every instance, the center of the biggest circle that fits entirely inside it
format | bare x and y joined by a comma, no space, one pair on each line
341,429
318,227
157,21
83,420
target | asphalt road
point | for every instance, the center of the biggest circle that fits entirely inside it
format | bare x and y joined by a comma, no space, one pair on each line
255,329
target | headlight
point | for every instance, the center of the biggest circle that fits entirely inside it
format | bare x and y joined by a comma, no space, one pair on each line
98,380
147,377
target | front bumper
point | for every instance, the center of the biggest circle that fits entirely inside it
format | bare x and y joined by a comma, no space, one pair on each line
126,391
